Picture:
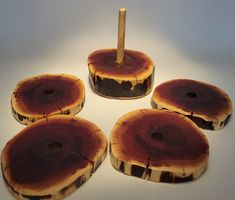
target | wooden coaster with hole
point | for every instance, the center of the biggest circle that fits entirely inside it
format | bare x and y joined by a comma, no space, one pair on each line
121,73
207,105
160,146
52,157
45,95
131,79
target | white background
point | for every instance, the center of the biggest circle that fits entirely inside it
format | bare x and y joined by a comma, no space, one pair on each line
185,38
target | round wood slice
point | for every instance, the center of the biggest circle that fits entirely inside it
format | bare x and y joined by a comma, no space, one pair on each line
207,105
52,157
131,79
45,95
160,146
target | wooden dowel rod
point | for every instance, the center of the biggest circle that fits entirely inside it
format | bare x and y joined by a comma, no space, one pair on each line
121,35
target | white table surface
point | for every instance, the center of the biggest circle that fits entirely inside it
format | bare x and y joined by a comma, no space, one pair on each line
186,39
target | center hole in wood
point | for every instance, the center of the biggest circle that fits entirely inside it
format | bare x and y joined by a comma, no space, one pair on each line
54,147
157,136
191,94
49,91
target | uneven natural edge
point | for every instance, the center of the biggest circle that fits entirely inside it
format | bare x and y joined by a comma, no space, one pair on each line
69,182
200,121
125,89
148,167
57,195
29,119
153,173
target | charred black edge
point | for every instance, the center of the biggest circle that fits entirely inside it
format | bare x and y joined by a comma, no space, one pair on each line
111,88
169,177
137,171
200,122
18,116
122,167
224,123
37,197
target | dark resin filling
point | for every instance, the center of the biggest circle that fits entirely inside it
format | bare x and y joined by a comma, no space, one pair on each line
111,88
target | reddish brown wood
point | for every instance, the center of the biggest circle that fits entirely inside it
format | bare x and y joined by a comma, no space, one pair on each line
132,78
151,140
45,95
134,63
207,105
52,152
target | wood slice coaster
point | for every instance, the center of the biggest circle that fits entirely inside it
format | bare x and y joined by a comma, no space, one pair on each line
131,79
52,157
45,95
207,105
160,146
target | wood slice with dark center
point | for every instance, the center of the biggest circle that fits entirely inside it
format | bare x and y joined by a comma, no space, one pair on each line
52,157
45,95
131,79
161,146
207,105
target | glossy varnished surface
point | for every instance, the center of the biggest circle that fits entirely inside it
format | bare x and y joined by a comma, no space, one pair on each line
190,39
131,79
194,97
51,150
160,137
134,62
47,94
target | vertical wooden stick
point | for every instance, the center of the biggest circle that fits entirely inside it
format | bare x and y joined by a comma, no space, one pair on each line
121,35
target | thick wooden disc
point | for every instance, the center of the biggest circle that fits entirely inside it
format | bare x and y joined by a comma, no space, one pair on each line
207,105
52,157
131,79
45,95
160,146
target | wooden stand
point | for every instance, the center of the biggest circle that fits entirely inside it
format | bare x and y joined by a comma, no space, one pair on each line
121,35
121,73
